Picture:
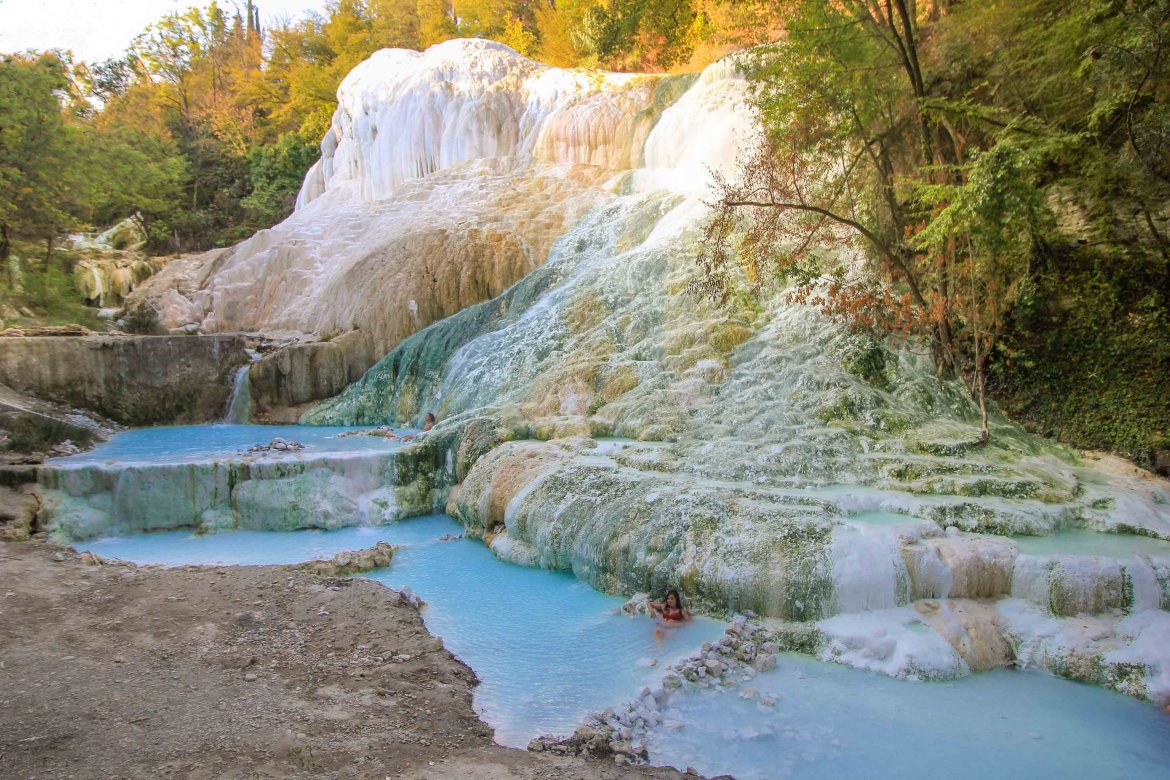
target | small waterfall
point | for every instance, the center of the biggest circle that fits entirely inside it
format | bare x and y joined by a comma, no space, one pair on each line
239,407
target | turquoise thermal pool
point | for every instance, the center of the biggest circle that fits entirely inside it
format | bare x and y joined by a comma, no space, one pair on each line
831,721
548,650
1080,541
204,477
197,443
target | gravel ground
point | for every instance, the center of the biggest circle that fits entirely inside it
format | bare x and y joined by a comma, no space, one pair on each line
108,670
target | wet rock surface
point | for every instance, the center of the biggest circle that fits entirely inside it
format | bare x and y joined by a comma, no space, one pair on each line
286,381
351,561
276,445
112,670
30,427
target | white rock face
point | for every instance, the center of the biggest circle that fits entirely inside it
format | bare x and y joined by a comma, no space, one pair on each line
404,115
764,475
444,179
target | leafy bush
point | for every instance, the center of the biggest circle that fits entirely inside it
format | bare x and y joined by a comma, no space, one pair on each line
143,321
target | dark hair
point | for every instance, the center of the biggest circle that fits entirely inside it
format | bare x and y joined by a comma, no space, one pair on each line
677,599
430,416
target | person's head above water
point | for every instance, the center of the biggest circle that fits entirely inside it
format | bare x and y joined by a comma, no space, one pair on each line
428,421
672,600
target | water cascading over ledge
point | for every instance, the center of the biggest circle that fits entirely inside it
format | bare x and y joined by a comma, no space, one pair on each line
595,417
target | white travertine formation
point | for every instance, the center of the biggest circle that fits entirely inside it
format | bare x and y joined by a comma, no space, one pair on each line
444,179
763,459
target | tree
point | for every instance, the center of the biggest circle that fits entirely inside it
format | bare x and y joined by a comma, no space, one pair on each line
34,150
855,149
276,173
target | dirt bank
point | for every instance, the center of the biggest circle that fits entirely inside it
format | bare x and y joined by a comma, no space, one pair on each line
238,672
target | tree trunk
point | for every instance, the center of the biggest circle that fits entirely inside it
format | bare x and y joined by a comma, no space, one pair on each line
5,253
981,393
48,252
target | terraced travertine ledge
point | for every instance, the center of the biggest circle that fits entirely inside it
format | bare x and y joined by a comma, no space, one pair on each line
597,418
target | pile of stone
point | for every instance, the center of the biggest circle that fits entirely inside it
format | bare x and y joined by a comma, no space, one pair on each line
745,649
351,562
63,449
382,431
597,740
735,658
276,445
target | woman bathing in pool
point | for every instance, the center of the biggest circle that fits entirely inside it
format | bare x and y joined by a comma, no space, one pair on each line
669,614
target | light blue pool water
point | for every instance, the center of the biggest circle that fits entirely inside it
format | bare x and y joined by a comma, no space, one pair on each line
547,648
832,721
1080,541
191,443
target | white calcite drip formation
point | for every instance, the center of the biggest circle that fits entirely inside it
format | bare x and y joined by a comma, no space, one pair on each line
403,115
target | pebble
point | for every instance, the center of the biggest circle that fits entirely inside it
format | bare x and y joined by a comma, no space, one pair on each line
250,677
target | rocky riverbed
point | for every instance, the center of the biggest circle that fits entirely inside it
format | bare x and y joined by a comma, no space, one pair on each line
114,670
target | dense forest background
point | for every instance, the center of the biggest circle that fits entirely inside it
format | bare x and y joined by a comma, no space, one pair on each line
1006,165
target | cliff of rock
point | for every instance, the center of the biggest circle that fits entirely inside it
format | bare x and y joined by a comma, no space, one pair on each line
133,380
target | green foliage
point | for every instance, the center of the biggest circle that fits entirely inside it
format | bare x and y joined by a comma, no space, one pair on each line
143,321
1087,357
276,173
34,149
1006,163
124,172
868,361
47,289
